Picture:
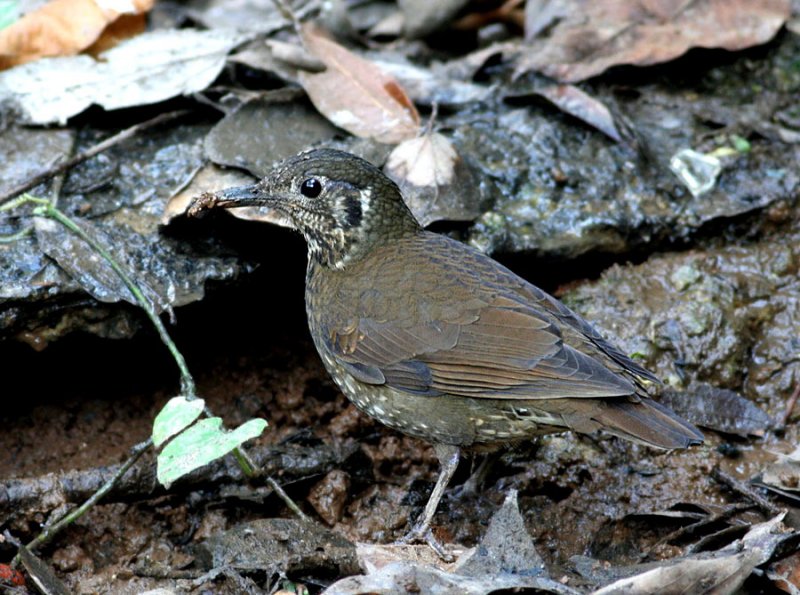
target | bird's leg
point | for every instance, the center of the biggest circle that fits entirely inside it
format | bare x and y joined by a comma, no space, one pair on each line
448,460
478,477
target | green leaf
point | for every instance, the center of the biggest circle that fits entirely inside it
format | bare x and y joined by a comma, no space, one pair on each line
199,445
740,144
178,414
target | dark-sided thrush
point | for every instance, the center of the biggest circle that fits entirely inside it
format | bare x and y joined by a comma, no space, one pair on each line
436,339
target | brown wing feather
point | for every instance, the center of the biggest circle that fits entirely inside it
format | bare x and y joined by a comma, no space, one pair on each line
503,349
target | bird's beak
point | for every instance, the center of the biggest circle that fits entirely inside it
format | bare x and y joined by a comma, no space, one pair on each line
241,196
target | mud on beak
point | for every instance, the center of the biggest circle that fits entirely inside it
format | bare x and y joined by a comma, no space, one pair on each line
231,198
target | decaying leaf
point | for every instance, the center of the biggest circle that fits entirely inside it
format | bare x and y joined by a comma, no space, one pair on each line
428,160
93,272
435,181
718,409
722,571
784,473
266,130
572,40
505,560
146,69
62,28
355,94
572,100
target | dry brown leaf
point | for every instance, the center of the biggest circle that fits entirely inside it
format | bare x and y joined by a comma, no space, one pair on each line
355,94
62,28
586,37
435,181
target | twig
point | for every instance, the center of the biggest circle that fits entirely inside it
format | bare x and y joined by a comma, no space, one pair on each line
58,168
26,497
53,530
741,488
790,405
288,14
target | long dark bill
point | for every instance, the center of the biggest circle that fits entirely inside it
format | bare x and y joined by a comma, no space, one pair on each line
241,196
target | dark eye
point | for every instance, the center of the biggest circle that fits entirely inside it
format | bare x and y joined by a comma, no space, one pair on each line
311,188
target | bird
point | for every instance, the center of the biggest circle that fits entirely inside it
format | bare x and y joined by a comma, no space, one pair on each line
436,339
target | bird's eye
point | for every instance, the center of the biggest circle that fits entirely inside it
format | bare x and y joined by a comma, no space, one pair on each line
311,188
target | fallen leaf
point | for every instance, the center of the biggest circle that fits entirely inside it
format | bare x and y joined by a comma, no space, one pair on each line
784,473
146,69
62,28
267,130
718,409
435,181
429,86
355,94
504,561
721,571
425,161
81,262
257,16
575,102
572,40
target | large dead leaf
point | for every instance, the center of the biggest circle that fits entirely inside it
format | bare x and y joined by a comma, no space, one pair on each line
62,28
146,69
355,94
572,40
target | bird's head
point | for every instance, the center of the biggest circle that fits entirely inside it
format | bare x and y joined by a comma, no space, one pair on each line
343,205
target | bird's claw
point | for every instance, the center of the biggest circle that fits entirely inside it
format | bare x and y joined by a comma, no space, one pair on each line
421,533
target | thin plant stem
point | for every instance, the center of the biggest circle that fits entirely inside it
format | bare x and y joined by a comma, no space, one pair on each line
74,514
47,209
188,388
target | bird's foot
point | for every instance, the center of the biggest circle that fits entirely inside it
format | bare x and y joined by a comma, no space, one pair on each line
423,533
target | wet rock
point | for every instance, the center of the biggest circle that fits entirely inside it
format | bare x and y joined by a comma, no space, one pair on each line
285,546
265,131
328,496
725,316
562,190
124,191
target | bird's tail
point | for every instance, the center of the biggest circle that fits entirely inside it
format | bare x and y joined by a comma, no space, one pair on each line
648,423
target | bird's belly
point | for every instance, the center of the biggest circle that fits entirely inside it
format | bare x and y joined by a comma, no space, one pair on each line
446,419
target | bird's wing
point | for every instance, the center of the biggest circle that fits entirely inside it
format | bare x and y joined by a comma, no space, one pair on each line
496,348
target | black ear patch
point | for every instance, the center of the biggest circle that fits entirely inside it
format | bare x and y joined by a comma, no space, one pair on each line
353,212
